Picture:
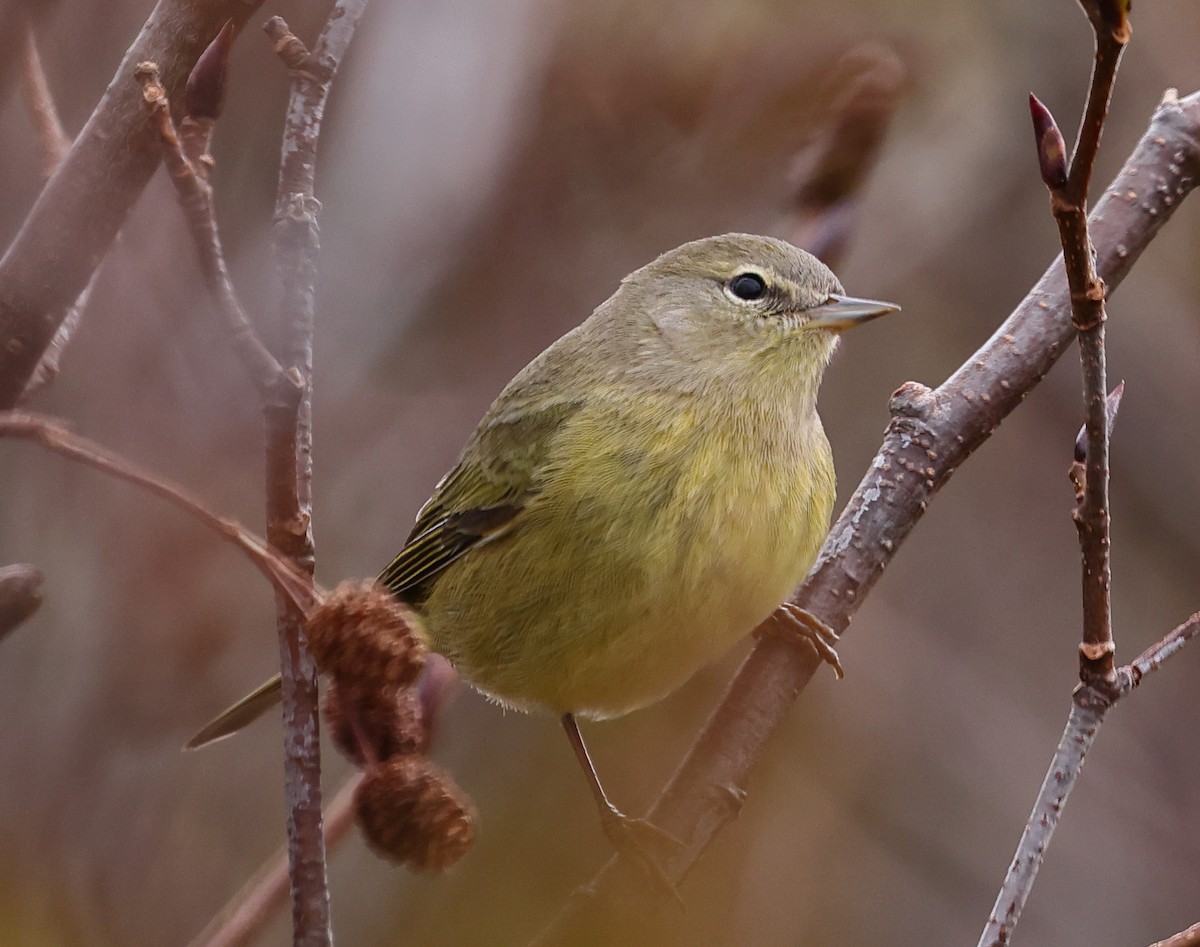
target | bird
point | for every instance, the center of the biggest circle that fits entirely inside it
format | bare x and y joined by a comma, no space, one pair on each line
645,493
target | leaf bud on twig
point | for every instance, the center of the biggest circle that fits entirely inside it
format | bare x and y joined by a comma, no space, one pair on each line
20,594
205,92
1052,150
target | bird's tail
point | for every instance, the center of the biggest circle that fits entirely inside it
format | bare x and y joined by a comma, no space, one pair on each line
232,719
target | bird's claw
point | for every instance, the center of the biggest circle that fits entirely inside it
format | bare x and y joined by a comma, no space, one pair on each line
792,622
639,840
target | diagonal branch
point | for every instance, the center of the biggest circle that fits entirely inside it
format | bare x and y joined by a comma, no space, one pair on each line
85,202
931,433
54,437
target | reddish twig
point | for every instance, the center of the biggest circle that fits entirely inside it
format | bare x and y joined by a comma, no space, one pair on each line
39,103
298,588
196,199
1068,201
289,449
931,433
249,912
55,144
1101,685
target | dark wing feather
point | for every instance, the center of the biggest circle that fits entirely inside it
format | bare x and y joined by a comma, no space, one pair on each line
479,500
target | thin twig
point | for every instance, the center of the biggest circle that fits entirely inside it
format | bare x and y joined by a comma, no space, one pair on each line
250,911
1088,709
1069,204
39,102
1083,723
85,203
289,452
55,143
1152,658
1101,684
298,588
930,435
196,200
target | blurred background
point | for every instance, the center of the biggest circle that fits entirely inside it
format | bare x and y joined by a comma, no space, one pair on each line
489,171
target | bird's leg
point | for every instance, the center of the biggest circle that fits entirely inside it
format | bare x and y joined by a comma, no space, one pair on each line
793,622
629,836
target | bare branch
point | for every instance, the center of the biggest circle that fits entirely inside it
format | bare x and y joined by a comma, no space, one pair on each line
196,200
249,912
55,145
1152,658
931,433
298,589
289,455
1088,709
1068,202
1083,724
39,102
85,202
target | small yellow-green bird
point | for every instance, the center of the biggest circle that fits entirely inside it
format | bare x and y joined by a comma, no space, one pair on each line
641,496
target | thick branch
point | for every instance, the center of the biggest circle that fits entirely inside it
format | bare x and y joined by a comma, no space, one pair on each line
930,434
85,203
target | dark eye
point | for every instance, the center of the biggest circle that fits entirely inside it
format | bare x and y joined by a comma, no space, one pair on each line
748,286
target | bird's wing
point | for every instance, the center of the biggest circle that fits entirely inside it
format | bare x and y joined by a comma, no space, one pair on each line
481,499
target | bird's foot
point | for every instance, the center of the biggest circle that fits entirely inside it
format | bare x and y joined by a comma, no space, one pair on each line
792,622
642,842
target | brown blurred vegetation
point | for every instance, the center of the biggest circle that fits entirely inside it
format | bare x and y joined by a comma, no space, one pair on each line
489,172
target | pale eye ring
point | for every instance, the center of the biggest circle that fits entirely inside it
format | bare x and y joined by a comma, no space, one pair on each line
748,287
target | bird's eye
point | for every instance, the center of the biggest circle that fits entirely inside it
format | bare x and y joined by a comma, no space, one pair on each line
748,286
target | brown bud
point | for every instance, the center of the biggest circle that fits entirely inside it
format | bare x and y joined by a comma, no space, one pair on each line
366,638
1052,150
205,92
1112,404
391,723
411,811
20,594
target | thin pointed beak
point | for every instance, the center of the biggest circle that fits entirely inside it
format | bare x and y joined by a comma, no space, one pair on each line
839,313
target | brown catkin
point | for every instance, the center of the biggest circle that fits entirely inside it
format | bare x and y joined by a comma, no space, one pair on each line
411,811
392,722
366,638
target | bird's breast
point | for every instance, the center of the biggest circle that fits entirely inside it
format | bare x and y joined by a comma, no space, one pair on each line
646,554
